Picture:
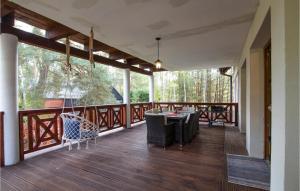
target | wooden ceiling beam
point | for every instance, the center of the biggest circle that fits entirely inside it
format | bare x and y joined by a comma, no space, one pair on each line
59,32
49,44
9,18
135,61
55,31
28,16
4,10
116,54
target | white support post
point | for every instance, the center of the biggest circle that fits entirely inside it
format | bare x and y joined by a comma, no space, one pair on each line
126,99
8,97
285,95
151,89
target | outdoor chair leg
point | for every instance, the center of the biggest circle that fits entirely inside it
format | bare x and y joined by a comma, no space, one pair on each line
70,145
78,145
87,144
95,140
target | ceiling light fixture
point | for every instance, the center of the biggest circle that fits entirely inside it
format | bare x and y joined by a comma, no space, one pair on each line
158,63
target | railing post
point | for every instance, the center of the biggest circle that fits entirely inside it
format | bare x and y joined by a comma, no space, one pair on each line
126,98
8,96
236,109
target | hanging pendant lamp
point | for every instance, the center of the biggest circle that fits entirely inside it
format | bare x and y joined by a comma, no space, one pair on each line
158,63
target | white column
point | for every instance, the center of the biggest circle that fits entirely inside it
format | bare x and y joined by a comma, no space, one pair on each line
8,96
255,107
151,88
126,98
285,95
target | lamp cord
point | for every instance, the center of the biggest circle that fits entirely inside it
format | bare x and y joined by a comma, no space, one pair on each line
158,49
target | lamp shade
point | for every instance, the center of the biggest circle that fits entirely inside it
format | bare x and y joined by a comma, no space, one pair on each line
158,64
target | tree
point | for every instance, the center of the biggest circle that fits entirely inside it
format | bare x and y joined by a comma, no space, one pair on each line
192,86
42,73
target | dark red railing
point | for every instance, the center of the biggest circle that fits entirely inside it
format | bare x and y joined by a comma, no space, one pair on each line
137,111
40,129
1,138
229,114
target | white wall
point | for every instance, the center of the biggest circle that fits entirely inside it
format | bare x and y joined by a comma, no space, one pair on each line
262,11
285,95
255,104
242,98
285,90
252,136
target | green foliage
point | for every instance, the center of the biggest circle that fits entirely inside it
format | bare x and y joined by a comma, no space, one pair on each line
139,88
139,96
192,86
42,73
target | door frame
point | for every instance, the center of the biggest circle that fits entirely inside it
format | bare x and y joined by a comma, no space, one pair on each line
267,75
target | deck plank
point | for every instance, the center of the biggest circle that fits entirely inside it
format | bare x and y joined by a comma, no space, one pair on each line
123,161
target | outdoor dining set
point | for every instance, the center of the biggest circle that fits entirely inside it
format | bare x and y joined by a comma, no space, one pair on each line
167,127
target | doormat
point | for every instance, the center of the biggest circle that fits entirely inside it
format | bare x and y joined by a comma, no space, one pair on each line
248,171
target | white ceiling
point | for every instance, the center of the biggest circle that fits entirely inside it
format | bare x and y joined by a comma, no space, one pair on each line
195,33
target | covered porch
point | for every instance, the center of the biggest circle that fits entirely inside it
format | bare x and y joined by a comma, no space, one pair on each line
258,41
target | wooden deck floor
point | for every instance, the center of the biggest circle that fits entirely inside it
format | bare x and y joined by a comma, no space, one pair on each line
122,161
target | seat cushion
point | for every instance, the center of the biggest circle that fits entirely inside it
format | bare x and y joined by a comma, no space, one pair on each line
71,128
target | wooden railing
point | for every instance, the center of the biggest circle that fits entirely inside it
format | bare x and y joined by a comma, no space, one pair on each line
137,111
230,114
40,129
1,138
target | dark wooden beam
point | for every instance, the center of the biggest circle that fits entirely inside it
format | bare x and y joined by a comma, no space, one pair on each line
55,31
224,70
9,18
28,16
49,44
116,54
4,10
58,32
137,61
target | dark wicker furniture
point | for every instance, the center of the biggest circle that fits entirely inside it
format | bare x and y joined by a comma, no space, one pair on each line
158,132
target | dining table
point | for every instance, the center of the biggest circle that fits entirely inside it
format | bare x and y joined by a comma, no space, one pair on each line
178,118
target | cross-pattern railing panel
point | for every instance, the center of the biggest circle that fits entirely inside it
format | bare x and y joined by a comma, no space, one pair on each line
40,129
137,111
229,112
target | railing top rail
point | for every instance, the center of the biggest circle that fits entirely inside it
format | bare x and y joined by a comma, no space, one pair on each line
140,103
68,108
114,105
198,103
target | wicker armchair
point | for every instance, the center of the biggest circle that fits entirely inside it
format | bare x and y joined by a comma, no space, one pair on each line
158,131
196,123
191,127
188,128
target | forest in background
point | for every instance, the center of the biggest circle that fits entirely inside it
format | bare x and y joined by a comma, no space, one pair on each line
42,75
206,85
